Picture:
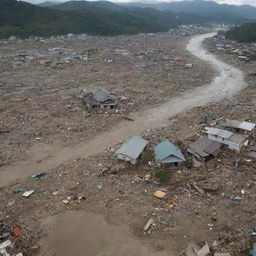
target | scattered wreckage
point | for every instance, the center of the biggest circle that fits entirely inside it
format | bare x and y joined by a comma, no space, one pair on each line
245,51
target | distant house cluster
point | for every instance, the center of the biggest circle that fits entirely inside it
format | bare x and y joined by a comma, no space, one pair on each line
234,138
243,51
167,154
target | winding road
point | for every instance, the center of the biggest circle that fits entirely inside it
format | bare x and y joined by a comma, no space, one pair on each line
229,81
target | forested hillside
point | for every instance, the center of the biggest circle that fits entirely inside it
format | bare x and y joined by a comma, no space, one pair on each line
23,19
213,11
99,18
244,33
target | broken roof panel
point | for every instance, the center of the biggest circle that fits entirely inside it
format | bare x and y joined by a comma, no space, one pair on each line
132,147
101,94
219,132
232,123
98,96
166,149
212,147
247,126
204,147
243,125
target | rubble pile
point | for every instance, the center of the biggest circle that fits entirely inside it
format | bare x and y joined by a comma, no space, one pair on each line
191,30
243,51
214,197
144,70
52,57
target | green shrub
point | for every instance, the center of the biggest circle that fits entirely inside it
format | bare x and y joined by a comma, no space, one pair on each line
162,175
178,143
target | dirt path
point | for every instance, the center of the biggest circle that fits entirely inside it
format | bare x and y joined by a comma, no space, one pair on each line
43,157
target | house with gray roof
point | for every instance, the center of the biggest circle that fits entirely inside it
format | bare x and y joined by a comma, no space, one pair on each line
131,149
167,154
98,97
204,148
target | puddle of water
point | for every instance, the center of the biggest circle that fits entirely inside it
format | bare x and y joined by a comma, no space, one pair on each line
79,233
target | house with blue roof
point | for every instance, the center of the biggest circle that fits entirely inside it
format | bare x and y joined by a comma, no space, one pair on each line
169,155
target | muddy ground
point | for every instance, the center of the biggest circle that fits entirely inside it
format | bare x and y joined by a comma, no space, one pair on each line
117,200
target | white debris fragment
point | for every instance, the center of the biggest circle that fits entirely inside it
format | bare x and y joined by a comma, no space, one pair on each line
148,225
5,244
28,193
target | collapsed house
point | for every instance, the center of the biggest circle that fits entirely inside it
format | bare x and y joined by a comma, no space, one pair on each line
232,140
131,149
204,148
238,126
99,97
168,154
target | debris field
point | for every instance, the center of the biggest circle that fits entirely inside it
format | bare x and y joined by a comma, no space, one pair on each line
207,205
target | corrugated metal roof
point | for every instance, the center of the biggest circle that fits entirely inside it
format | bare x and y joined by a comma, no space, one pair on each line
166,149
132,147
204,147
219,132
247,126
243,125
212,147
232,123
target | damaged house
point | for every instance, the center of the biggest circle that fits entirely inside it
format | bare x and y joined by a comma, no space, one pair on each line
204,148
131,149
237,126
169,155
99,97
232,140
